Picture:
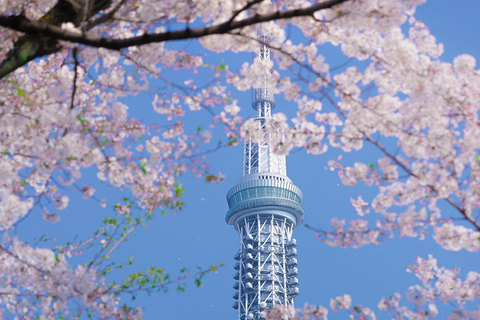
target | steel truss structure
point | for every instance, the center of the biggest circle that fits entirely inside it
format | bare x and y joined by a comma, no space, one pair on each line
265,207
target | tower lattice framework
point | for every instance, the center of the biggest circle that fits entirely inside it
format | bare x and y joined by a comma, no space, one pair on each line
265,207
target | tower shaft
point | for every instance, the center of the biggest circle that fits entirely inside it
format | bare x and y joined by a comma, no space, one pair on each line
266,265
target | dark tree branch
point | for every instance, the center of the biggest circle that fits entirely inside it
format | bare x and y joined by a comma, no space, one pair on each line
74,90
20,23
37,44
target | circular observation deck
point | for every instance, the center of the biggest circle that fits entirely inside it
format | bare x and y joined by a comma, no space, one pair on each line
265,193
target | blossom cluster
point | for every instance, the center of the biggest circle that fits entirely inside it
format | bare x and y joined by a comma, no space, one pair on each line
439,285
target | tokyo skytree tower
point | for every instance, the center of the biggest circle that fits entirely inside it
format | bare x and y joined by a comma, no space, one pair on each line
265,207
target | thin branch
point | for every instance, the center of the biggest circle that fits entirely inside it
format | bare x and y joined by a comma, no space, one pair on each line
74,90
106,16
246,7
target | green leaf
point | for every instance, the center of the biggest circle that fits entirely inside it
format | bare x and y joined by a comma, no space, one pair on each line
82,121
142,167
222,66
178,190
20,92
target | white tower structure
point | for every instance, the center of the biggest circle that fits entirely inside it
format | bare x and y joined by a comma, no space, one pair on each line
265,207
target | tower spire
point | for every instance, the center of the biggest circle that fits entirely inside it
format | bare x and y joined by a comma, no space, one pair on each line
263,100
265,207
259,157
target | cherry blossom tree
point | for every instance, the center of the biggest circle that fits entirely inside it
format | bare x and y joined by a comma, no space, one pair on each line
66,66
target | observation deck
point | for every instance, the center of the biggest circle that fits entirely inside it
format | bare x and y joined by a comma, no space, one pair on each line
267,191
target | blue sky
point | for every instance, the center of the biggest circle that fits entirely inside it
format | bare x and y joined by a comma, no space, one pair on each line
199,235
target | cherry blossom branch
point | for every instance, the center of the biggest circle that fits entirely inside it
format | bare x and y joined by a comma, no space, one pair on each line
156,280
368,137
20,23
438,284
